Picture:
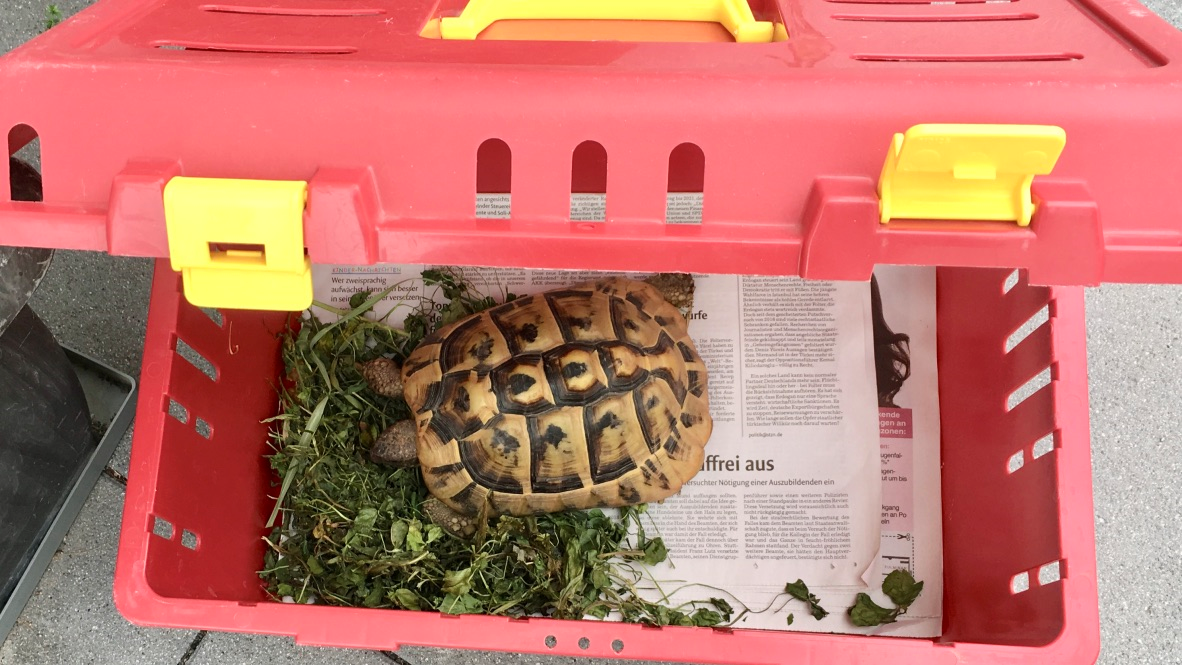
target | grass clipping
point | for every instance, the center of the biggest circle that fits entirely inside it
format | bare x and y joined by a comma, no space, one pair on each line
349,532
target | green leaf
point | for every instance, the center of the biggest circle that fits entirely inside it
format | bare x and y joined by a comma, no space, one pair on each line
655,552
434,533
705,618
407,599
457,582
797,590
587,539
414,537
901,588
314,566
790,619
358,299
865,612
599,579
599,611
800,591
374,597
721,605
398,531
287,480
363,523
454,311
464,604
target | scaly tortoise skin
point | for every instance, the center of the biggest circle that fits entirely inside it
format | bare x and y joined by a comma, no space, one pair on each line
580,397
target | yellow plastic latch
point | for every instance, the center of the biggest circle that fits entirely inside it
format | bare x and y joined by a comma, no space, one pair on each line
966,172
734,15
239,244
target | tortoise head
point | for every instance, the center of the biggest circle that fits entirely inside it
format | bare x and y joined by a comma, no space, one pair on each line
383,376
676,287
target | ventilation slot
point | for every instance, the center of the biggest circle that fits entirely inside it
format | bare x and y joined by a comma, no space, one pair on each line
196,359
162,528
293,11
1033,323
588,183
1010,283
24,164
1043,446
178,412
1019,583
255,48
494,179
1029,388
935,18
687,185
985,57
1050,573
189,539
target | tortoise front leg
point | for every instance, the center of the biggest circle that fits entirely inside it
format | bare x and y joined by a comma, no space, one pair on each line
396,446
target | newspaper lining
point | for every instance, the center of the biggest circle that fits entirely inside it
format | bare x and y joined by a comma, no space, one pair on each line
806,477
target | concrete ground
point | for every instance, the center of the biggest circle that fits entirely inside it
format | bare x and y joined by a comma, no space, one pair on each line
1135,347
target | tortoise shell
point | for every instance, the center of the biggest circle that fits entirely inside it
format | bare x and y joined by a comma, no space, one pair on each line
583,397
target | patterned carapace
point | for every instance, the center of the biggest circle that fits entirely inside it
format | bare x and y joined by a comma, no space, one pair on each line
589,396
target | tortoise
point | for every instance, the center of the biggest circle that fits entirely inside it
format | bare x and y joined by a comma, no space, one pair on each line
588,396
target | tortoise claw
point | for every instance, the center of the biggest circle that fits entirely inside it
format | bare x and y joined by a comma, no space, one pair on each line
456,523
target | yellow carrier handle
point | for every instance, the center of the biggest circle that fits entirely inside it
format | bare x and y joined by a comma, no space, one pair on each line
734,15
